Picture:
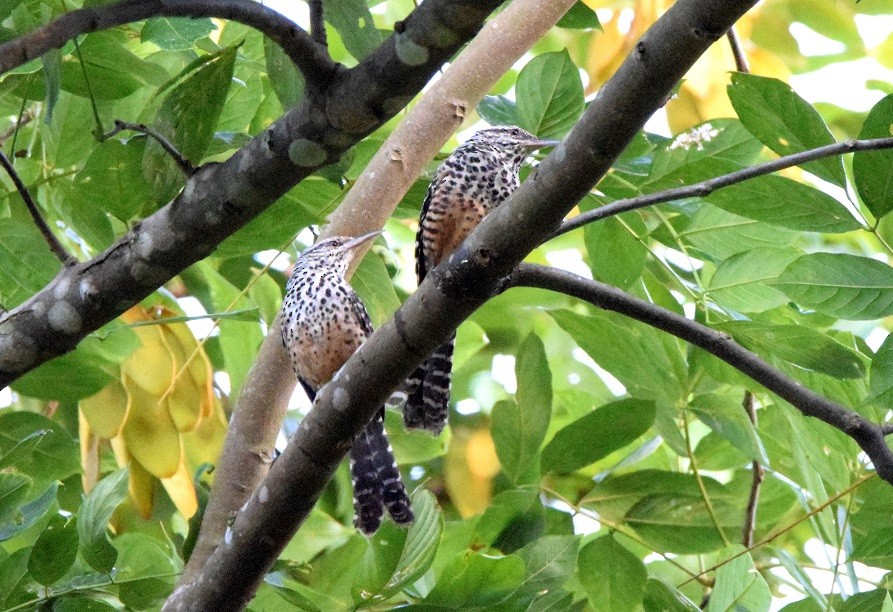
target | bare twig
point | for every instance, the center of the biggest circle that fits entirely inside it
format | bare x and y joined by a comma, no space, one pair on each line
25,117
707,187
317,24
55,246
737,50
750,514
869,436
184,164
311,58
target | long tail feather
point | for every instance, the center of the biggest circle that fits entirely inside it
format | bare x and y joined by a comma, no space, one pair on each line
428,403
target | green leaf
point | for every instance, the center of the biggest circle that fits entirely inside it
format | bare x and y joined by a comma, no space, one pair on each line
81,604
881,373
308,202
113,72
29,513
613,577
286,79
797,572
54,456
784,122
800,345
266,294
739,586
550,562
498,110
550,95
175,33
647,362
470,339
661,596
28,262
112,178
73,376
721,234
682,524
841,285
727,418
597,435
54,551
239,340
354,23
786,203
51,62
741,282
190,111
13,569
615,253
93,519
873,170
476,581
373,284
580,17
518,429
146,573
13,491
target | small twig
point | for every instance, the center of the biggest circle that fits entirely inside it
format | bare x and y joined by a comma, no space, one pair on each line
25,117
750,514
887,428
869,436
184,164
55,246
99,128
317,24
701,190
737,50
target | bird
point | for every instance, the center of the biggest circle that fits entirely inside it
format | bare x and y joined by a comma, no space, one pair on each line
476,178
323,323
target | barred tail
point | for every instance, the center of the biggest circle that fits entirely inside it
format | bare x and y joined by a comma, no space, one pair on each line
428,403
376,480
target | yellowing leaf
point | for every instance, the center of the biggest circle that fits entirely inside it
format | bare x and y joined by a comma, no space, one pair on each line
106,411
149,433
89,453
151,366
469,490
182,491
141,486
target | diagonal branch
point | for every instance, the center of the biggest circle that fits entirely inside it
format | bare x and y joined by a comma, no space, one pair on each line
55,246
311,58
705,188
220,198
758,473
869,436
367,206
450,293
317,23
184,164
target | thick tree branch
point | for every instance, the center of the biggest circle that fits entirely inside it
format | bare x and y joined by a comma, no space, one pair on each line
311,58
450,293
220,198
701,190
184,164
868,435
56,247
370,202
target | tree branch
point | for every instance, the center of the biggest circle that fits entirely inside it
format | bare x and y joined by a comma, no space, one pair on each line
311,58
450,293
220,198
184,164
56,247
317,23
741,63
758,473
868,435
369,203
701,190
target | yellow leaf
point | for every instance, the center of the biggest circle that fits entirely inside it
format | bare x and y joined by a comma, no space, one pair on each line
151,366
470,492
89,453
107,410
181,491
149,433
141,485
204,443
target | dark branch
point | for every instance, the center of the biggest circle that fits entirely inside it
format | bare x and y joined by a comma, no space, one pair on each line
707,187
55,246
450,293
220,198
868,435
887,429
311,58
758,473
317,24
184,164
741,63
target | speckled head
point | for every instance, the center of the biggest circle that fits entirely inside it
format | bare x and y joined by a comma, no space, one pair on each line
511,141
336,252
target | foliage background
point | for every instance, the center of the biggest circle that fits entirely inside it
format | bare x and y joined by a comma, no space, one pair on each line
592,461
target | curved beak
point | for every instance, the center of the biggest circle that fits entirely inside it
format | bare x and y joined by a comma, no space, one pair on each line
353,243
